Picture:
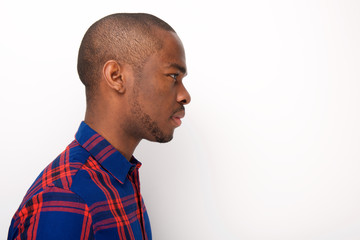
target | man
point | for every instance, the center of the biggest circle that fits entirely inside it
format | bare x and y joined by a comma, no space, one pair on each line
132,66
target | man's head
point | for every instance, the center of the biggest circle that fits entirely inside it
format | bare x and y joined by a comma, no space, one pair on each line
132,66
124,37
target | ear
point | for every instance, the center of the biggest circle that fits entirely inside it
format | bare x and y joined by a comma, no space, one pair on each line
114,75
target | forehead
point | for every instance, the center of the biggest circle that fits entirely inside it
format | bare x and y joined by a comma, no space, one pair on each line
172,53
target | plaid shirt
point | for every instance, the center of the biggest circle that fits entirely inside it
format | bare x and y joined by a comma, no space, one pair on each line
90,191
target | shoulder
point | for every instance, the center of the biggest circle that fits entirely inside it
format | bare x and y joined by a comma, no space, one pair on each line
51,198
61,208
60,172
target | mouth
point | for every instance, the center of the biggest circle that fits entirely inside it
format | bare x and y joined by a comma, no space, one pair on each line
177,121
177,116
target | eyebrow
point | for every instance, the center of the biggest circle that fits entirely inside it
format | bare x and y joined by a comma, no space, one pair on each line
178,66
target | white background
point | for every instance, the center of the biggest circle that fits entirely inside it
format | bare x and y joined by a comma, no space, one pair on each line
269,148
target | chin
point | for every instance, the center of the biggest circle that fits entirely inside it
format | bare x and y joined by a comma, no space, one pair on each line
164,139
160,137
157,134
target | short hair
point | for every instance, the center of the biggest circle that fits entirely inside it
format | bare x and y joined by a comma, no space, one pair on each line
124,37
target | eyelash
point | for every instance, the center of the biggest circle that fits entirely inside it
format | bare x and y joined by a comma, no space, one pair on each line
174,76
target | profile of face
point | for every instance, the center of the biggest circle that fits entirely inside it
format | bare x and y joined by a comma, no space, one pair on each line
159,96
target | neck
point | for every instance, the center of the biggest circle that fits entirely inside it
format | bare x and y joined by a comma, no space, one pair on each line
111,129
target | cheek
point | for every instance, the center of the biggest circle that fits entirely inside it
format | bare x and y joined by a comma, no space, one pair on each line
160,92
160,107
158,97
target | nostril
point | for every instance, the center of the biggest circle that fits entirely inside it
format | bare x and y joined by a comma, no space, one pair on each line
184,96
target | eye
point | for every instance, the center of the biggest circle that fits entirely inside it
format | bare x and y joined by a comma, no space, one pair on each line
174,76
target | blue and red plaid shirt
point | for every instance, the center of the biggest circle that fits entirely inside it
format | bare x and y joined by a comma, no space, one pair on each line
90,191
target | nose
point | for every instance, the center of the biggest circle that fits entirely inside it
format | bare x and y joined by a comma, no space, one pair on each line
183,96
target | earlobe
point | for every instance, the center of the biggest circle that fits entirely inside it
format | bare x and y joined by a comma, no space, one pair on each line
113,74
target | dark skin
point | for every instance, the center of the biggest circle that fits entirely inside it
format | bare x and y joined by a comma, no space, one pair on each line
129,108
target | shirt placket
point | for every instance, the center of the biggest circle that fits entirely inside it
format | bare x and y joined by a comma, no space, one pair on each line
136,182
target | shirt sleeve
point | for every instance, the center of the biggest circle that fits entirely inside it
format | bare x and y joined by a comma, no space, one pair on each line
54,213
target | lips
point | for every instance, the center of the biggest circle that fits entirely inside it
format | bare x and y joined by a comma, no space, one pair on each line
179,114
177,117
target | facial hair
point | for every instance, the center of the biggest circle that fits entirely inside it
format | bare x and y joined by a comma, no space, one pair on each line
148,124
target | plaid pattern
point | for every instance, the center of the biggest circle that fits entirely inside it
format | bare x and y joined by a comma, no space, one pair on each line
90,191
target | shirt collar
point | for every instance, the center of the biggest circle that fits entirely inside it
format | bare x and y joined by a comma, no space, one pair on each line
103,152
